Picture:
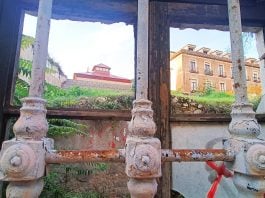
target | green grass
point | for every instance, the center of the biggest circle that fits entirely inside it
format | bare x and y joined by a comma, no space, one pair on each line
215,99
78,97
210,98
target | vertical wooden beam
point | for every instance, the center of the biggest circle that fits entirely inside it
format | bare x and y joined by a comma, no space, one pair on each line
10,26
159,83
10,14
13,69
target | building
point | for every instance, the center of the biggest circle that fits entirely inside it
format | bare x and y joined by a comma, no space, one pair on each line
54,74
198,69
99,77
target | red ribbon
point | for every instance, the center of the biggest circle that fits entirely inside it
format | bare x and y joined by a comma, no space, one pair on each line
221,171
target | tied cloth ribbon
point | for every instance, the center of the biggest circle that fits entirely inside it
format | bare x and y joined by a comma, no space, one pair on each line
221,171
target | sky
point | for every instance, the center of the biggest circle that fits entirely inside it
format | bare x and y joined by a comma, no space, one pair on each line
78,46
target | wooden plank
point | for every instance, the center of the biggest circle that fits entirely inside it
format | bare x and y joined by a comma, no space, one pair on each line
78,114
203,12
9,31
13,68
211,2
125,115
211,15
159,85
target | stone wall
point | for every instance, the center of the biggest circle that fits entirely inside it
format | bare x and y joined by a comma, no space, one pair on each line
96,84
186,105
55,79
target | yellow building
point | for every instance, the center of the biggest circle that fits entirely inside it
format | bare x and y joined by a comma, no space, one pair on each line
198,69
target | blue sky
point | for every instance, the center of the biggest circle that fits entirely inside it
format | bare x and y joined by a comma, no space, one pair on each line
80,45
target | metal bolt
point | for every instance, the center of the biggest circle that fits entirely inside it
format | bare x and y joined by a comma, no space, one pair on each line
262,159
145,160
15,161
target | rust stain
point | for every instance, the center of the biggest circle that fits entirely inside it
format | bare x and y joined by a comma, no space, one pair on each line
74,156
196,155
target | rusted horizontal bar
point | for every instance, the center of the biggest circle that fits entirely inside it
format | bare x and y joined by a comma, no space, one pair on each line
78,156
196,155
176,155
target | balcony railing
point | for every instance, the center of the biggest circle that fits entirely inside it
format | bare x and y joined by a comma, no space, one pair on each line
194,71
208,72
257,80
223,75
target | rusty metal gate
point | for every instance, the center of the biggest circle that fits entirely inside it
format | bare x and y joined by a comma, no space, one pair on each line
23,158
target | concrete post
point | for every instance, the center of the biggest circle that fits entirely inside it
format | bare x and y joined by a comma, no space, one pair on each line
260,42
143,151
22,159
249,164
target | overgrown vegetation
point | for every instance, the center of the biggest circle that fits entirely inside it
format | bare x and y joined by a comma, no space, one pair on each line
53,188
210,97
214,101
77,97
55,181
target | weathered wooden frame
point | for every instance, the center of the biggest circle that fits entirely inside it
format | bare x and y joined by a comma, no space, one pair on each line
157,70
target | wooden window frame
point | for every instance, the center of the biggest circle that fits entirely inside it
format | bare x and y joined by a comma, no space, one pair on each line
192,82
195,69
222,86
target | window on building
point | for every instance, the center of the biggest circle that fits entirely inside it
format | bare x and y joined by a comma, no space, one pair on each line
207,69
255,77
194,85
222,86
193,67
221,70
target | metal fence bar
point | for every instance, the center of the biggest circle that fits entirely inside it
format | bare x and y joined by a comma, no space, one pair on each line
196,155
22,159
142,150
76,156
249,164
167,155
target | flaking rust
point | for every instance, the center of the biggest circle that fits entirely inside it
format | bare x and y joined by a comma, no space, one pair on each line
75,156
182,155
167,155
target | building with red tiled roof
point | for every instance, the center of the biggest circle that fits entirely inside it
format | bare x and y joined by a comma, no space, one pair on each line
99,77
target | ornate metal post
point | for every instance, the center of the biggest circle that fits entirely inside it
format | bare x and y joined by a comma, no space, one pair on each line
143,151
22,159
260,40
249,164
